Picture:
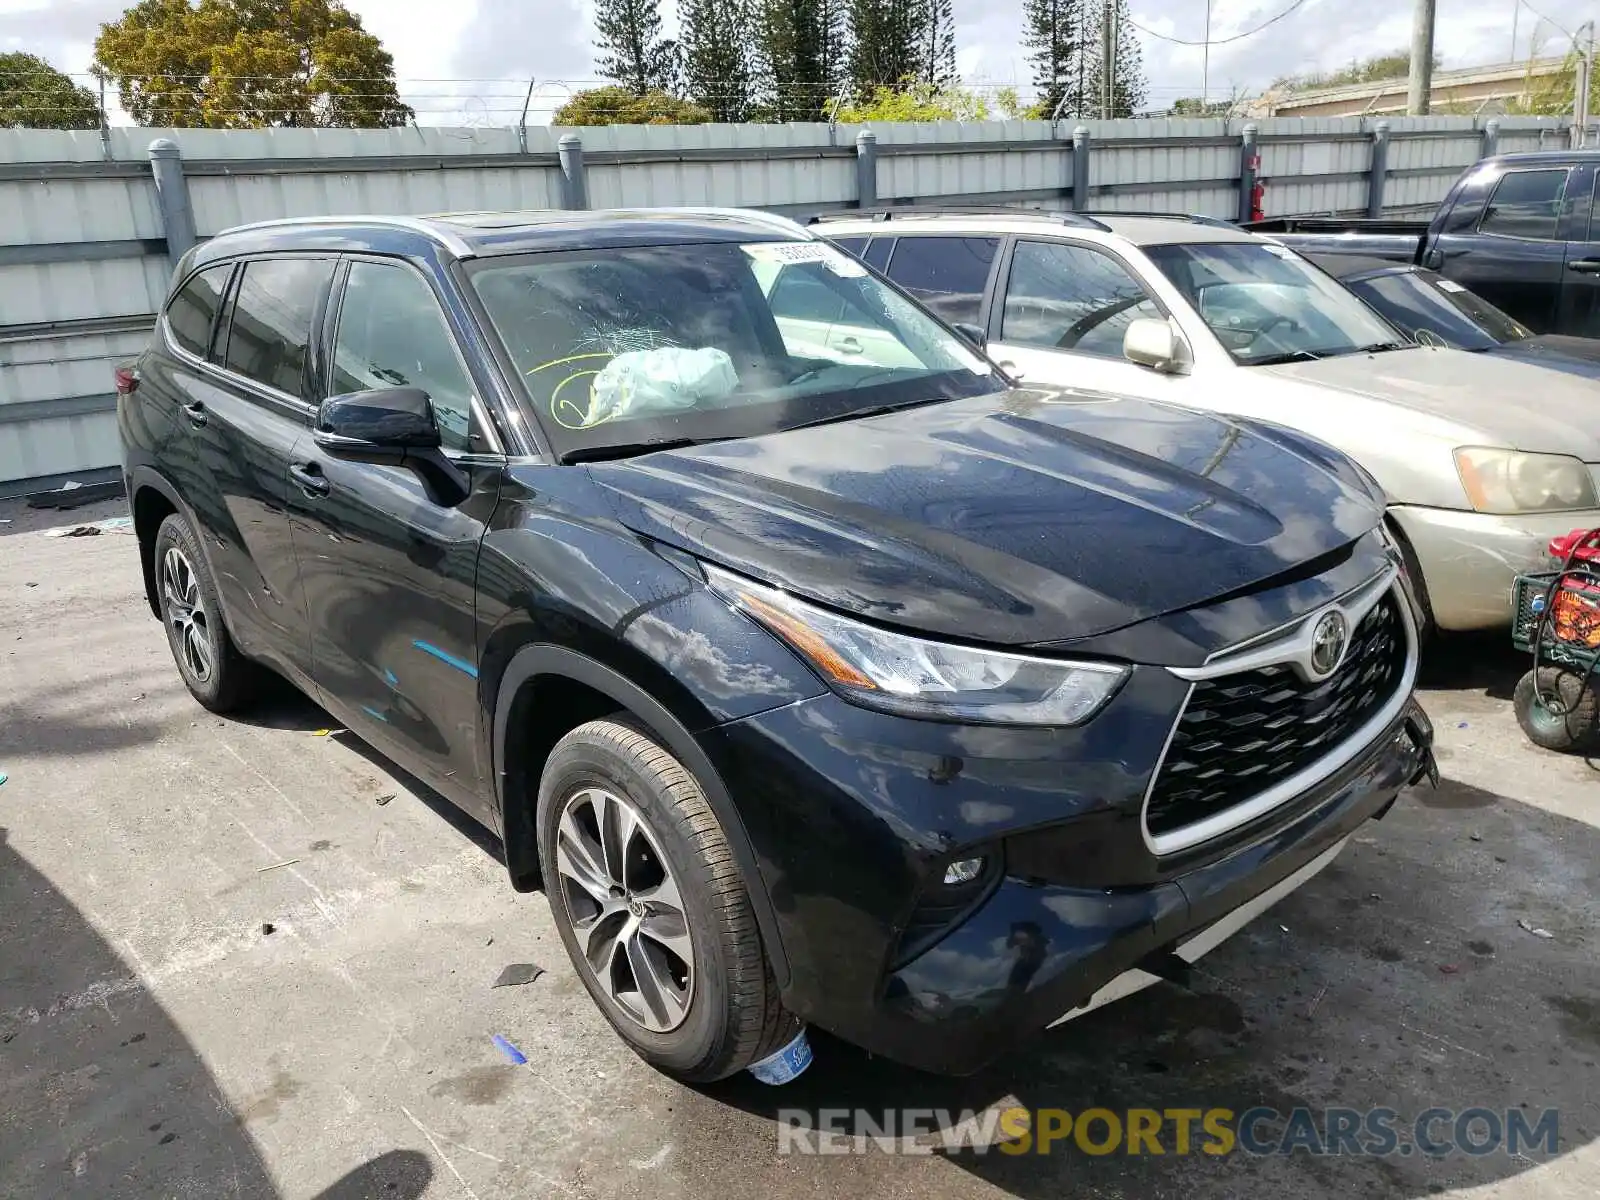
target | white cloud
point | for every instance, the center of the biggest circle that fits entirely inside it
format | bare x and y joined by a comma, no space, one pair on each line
471,60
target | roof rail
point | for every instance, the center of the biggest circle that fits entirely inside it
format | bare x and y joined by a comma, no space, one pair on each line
895,211
421,225
1193,218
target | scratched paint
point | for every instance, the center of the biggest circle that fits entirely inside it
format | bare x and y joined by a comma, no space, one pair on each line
444,657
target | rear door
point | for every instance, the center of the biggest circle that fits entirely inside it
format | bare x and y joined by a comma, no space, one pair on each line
1578,312
1514,255
949,274
245,413
390,576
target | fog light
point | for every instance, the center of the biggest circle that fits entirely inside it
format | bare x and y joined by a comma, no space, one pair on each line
964,871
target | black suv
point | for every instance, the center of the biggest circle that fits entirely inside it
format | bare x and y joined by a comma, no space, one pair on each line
815,672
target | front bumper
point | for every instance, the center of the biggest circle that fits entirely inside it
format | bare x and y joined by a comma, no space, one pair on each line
1469,559
836,862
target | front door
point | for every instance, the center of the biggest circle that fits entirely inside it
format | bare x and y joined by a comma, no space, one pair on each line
1515,257
1062,311
390,576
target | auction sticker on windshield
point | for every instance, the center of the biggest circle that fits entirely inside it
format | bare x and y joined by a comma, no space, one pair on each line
792,253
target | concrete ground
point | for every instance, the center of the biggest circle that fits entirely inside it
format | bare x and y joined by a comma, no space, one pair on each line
156,1040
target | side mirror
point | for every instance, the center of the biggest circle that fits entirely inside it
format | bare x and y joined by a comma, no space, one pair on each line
1153,343
393,427
377,426
972,333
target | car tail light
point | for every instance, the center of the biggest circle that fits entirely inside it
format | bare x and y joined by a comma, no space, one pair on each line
127,380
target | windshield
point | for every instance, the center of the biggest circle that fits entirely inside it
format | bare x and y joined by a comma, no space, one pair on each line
625,350
1438,311
1267,304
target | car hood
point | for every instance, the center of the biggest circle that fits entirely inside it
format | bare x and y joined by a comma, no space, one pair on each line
1486,392
1025,517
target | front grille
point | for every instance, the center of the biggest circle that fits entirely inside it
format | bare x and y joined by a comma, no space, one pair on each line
1242,733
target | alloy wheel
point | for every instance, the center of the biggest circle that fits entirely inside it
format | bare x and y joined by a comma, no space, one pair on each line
186,613
625,908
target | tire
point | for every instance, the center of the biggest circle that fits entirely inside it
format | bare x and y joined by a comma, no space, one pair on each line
715,1008
214,671
1577,728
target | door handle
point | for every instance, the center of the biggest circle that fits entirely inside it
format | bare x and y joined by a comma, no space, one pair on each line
849,345
1585,266
310,478
196,413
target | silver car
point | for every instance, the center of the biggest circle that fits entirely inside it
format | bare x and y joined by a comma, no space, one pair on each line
1483,459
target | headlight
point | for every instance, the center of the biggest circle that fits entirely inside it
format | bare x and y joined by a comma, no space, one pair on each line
1510,481
898,673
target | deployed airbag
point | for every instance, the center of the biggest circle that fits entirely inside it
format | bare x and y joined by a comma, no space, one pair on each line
640,382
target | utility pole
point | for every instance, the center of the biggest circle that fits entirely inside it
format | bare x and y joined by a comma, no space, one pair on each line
1580,93
1421,83
1108,59
1205,63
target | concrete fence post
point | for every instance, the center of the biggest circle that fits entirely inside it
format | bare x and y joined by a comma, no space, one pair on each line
574,187
866,169
1491,139
1378,175
1082,145
172,197
1249,166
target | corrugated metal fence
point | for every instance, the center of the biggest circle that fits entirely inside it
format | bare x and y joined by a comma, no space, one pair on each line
86,242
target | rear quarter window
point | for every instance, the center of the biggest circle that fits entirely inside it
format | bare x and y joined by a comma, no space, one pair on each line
192,312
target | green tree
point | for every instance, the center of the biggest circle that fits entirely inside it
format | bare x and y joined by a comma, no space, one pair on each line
915,101
1053,34
800,51
1128,88
34,95
634,52
717,41
244,64
936,42
1393,64
884,46
619,106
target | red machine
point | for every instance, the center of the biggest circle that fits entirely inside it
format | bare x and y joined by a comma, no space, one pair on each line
1557,620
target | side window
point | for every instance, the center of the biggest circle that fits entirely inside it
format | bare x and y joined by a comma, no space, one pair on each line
948,274
851,245
392,333
878,251
271,323
1526,204
1065,297
194,309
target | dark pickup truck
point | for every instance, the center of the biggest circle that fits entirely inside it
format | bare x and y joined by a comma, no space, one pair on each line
1518,230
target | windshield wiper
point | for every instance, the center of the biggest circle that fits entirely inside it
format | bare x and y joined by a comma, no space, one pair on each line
612,450
875,410
1381,347
1287,356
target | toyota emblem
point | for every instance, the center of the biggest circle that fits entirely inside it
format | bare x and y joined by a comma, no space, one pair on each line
1328,642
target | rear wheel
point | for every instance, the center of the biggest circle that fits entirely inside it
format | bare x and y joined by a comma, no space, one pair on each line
214,671
652,908
1558,712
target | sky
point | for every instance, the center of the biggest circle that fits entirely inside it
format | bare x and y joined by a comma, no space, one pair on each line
468,62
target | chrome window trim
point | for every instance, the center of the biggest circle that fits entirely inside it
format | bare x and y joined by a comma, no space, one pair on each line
1286,649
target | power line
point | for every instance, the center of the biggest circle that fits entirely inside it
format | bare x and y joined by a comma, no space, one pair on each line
1237,37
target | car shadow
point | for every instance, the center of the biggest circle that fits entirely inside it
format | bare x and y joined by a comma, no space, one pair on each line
1408,975
101,1094
1473,662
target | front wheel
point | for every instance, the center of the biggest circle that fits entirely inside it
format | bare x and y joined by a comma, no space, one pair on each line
651,907
1557,711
